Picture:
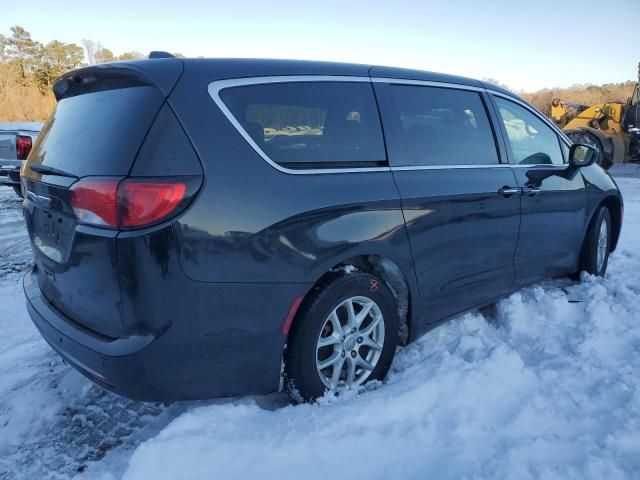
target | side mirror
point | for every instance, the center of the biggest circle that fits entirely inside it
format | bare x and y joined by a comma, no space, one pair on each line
582,155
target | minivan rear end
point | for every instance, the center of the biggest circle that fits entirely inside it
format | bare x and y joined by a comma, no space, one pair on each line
105,186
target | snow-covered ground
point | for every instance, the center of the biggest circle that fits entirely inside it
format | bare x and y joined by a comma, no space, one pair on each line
545,385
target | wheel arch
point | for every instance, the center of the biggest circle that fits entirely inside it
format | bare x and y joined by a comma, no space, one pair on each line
614,206
397,279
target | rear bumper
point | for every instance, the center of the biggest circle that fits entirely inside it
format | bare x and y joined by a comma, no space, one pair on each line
10,172
181,363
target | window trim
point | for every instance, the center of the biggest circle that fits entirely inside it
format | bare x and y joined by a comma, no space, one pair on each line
426,83
536,113
214,88
487,106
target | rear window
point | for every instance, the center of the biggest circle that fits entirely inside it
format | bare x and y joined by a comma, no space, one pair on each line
97,133
311,124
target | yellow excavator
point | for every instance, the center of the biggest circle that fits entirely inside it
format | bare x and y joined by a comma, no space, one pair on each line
612,128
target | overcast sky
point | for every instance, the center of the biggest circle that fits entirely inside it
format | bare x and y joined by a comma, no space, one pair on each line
526,44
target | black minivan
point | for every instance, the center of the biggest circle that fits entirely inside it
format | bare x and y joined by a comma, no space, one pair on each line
210,227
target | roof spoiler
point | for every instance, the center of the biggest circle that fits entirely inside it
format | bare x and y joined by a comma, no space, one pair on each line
163,73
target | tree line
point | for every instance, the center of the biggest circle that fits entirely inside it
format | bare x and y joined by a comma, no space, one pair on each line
28,69
581,94
38,64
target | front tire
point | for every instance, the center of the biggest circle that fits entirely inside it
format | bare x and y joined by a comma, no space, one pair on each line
344,336
597,244
18,190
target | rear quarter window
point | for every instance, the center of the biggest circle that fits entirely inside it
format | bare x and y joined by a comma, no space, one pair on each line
311,124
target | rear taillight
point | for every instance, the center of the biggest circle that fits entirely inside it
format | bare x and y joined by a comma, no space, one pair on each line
130,203
143,203
95,201
23,146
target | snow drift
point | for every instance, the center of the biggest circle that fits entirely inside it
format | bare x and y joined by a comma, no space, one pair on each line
545,386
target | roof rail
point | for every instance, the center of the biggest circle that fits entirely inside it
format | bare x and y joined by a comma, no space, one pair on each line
161,54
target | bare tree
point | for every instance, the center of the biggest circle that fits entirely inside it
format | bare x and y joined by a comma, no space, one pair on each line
90,49
3,48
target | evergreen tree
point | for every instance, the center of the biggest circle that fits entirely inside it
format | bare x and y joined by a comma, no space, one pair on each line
131,56
55,59
23,51
104,55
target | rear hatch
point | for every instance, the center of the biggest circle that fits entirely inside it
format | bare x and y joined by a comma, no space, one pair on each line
93,136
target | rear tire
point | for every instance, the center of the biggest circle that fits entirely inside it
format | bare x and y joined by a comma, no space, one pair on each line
18,190
352,355
597,245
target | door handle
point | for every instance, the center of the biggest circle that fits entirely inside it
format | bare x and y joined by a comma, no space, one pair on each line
531,191
509,191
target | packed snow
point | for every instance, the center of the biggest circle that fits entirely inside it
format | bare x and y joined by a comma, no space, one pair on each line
546,385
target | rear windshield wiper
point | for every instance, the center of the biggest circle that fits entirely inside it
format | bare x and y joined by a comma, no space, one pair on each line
51,171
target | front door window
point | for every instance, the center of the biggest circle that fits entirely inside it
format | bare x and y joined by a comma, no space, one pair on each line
531,141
